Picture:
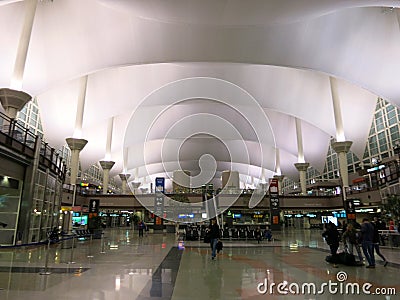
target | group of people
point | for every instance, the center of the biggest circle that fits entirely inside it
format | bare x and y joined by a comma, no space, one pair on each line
367,237
259,234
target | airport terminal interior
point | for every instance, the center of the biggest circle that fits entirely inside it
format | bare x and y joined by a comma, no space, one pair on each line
136,134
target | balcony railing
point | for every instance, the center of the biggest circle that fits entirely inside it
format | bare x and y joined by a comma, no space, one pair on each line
21,140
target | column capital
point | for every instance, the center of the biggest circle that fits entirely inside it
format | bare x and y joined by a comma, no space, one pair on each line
341,146
302,166
76,144
279,177
106,164
135,185
124,176
13,101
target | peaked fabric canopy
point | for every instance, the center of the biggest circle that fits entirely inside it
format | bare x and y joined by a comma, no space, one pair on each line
227,79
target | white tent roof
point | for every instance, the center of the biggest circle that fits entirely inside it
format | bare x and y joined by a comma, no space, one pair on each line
172,74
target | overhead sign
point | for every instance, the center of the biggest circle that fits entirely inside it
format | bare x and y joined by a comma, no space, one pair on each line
274,205
350,209
94,205
160,184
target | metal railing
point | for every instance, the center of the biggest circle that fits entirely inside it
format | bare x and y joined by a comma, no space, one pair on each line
20,139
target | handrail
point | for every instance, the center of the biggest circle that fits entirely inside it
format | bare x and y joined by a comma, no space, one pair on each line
21,139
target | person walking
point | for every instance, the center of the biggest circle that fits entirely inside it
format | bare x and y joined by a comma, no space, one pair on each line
257,234
141,227
332,238
367,242
214,234
350,239
376,241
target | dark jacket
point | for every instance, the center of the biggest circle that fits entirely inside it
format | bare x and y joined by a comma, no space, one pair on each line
214,232
367,232
331,235
351,236
376,233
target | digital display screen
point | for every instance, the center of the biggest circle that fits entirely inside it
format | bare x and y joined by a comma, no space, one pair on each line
327,219
83,220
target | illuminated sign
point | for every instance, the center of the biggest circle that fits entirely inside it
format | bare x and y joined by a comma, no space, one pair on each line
373,169
184,216
258,216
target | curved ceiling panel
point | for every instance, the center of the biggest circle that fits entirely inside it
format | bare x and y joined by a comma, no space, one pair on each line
235,12
279,56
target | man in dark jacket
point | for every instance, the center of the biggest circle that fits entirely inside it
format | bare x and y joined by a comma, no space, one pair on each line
332,238
367,242
214,234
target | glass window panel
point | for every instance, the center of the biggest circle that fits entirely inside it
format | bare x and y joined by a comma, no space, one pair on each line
374,151
383,148
9,203
34,117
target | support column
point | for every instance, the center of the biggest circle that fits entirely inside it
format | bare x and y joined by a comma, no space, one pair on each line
301,165
302,168
280,179
124,179
277,161
341,148
134,187
13,101
23,45
299,135
80,107
106,166
76,146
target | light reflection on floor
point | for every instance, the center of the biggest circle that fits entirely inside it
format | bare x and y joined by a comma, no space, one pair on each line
153,267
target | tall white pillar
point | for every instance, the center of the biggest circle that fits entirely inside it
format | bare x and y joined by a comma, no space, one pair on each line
341,146
277,161
13,101
124,179
337,110
299,135
302,168
76,143
280,180
76,146
106,166
80,107
301,164
110,127
23,45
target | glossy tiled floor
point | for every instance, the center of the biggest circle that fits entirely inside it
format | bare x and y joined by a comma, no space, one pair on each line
154,268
